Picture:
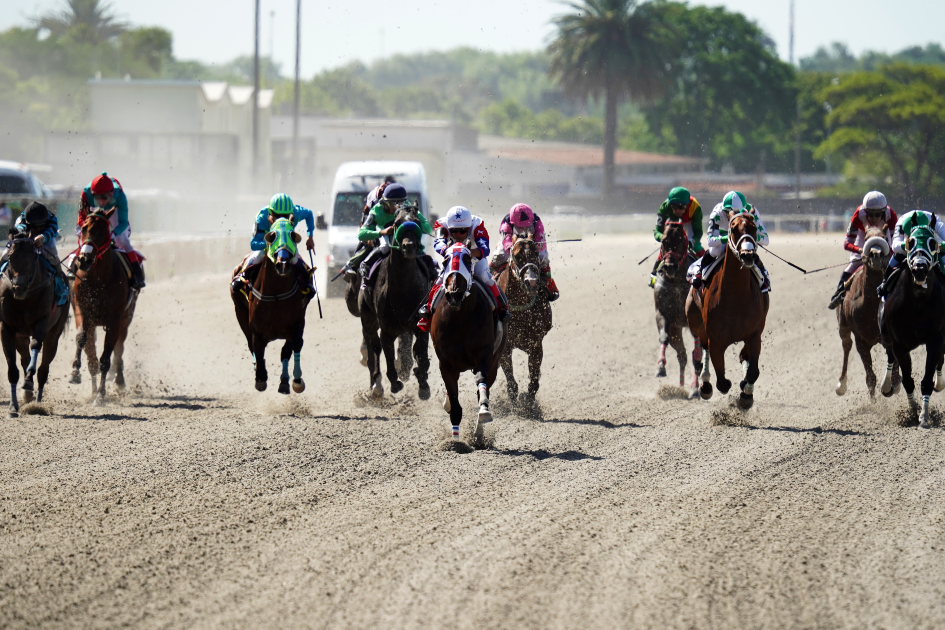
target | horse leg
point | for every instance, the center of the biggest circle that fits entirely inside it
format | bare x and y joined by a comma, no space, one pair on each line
846,338
664,341
373,345
81,338
284,356
451,405
892,379
298,340
696,362
908,383
535,356
749,356
933,353
421,354
511,385
485,414
939,381
717,354
23,351
50,348
119,354
387,343
8,340
676,341
866,356
259,351
91,358
105,361
404,361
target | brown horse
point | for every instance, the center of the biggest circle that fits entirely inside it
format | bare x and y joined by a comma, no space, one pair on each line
669,296
275,309
101,296
856,316
531,316
733,309
466,336
30,321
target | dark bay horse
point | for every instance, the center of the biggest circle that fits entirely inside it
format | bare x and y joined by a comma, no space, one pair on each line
531,316
101,296
856,316
912,316
391,307
732,310
669,295
30,321
466,336
275,308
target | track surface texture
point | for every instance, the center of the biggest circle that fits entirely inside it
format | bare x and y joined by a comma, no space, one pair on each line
193,500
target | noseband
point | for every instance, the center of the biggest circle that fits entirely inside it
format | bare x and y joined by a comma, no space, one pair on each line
519,270
735,246
99,251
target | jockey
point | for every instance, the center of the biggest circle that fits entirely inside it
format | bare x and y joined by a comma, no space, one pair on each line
280,207
521,219
379,226
43,227
460,226
904,226
106,193
873,212
733,203
679,206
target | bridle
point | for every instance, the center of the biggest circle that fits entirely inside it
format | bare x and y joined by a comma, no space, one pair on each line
736,246
674,258
99,250
516,269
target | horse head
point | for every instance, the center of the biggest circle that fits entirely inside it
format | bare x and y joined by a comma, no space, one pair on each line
458,280
742,237
407,239
674,248
96,237
22,263
923,252
282,245
524,263
876,249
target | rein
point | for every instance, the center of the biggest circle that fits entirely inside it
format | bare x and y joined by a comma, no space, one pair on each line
275,298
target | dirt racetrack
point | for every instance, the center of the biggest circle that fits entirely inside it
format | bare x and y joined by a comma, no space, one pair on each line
196,501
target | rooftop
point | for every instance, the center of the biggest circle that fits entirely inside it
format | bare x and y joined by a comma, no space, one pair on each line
573,153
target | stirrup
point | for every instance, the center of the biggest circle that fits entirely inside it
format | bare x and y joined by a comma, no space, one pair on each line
652,281
424,324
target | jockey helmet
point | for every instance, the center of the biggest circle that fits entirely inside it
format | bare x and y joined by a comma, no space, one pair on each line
458,217
874,200
35,214
395,192
521,215
281,205
735,202
679,195
102,185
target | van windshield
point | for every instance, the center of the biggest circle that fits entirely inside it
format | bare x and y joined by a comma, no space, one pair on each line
349,206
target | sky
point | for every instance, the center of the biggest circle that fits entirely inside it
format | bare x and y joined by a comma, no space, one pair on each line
335,32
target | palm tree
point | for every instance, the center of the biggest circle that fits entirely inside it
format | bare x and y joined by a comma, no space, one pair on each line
617,49
94,17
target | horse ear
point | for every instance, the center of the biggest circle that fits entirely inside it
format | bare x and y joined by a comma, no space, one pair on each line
296,237
270,237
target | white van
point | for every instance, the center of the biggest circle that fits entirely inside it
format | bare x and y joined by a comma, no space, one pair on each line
353,182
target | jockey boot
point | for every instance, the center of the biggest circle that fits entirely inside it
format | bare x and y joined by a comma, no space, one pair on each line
656,265
551,288
837,298
889,275
503,303
426,311
366,265
137,276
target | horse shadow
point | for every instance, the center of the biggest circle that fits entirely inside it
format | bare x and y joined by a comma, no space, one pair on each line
541,454
109,417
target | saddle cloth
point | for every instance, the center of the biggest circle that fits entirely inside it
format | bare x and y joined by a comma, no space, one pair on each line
477,286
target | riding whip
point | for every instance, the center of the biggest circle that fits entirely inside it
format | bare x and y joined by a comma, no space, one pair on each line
843,264
312,263
781,259
648,255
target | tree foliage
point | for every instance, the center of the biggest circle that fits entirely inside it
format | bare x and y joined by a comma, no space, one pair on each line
510,118
891,125
837,58
92,19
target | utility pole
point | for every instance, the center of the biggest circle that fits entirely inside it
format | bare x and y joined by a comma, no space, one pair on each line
295,106
256,102
797,124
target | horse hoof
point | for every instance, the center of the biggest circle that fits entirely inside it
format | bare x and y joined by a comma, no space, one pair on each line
120,382
260,386
446,405
724,386
298,386
100,400
283,386
706,391
888,393
377,390
423,393
745,401
484,415
841,388
396,387
694,393
363,356
661,372
27,395
13,413
76,378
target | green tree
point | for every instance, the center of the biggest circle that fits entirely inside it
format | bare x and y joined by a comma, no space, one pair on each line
612,49
149,46
732,100
892,122
92,18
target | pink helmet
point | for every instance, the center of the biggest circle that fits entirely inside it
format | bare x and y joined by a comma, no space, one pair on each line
521,215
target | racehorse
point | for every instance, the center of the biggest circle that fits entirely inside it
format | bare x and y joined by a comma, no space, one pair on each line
30,320
275,307
911,316
466,336
669,295
531,316
856,316
733,309
391,306
101,296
